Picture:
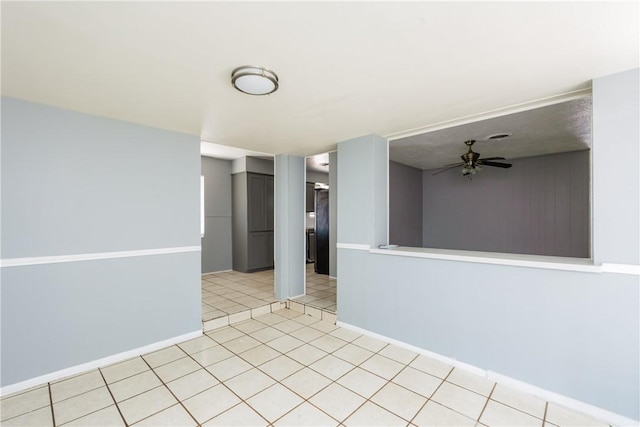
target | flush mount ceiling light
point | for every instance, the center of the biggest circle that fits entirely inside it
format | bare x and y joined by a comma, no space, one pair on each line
254,80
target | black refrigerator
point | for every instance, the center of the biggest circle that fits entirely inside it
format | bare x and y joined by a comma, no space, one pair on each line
322,232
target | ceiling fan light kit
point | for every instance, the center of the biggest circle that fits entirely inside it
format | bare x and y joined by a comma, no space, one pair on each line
471,162
254,80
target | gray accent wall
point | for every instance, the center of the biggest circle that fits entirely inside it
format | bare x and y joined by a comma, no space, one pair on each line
313,176
289,226
540,206
216,243
405,205
76,184
570,332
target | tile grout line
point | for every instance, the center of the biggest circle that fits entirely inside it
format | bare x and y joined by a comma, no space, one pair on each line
444,380
544,417
53,415
170,391
224,385
113,398
487,401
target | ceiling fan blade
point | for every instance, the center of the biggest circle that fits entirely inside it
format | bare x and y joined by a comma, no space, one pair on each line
498,165
446,169
454,164
493,158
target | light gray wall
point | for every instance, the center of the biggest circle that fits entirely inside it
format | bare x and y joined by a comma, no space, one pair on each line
313,176
289,224
405,205
573,333
616,230
76,184
216,243
333,213
539,206
362,194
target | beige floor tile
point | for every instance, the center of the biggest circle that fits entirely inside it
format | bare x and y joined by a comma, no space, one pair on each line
566,417
22,403
239,415
362,382
471,381
249,383
369,343
225,334
337,401
176,369
241,344
280,367
434,414
353,354
39,417
306,415
345,334
525,402
211,403
146,404
249,326
164,356
306,382
212,355
431,366
124,369
328,343
285,343
108,416
306,354
398,354
267,334
417,381
274,402
460,400
332,367
132,386
306,320
176,415
288,326
497,414
259,355
271,319
371,414
192,384
382,366
325,327
229,368
76,385
399,401
197,345
81,405
307,334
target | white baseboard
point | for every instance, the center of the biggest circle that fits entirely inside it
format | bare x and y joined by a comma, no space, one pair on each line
94,364
550,396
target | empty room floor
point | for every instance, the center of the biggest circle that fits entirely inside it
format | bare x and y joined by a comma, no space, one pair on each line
232,292
284,369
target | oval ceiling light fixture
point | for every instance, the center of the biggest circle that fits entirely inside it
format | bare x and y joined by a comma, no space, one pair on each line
254,80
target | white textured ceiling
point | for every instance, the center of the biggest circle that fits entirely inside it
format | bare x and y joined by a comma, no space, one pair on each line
346,68
551,129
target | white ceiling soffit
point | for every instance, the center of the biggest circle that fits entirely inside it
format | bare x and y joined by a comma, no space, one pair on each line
318,163
346,69
226,152
552,129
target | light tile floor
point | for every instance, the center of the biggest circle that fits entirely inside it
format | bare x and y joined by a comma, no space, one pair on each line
232,292
281,369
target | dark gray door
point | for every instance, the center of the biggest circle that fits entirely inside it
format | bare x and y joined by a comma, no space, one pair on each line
256,203
322,232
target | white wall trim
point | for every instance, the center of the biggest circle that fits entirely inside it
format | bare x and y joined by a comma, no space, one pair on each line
550,396
19,262
99,363
355,246
621,268
214,272
517,261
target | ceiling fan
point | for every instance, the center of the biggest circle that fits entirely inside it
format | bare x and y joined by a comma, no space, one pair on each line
471,162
